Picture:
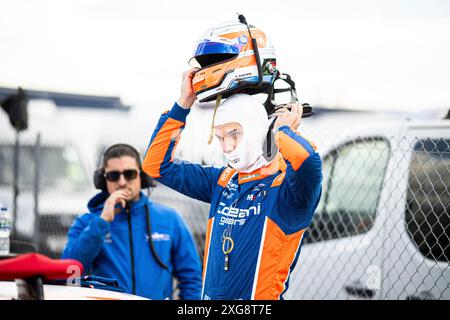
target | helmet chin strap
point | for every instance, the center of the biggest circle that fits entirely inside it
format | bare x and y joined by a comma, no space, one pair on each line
211,131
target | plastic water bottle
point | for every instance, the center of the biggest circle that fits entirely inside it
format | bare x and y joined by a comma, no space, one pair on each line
5,229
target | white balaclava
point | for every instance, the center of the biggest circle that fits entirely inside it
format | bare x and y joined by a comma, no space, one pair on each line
252,116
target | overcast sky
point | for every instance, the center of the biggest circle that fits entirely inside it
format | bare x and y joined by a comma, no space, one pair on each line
381,54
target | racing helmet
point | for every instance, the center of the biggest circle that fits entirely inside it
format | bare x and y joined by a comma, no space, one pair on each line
233,57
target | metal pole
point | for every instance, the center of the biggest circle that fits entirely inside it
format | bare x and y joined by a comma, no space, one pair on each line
36,182
15,181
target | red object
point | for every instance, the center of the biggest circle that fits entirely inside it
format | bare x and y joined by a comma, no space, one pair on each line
34,264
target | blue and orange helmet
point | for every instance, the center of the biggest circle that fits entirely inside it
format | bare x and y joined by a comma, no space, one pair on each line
229,63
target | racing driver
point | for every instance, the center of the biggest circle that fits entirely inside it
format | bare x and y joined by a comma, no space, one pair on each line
260,209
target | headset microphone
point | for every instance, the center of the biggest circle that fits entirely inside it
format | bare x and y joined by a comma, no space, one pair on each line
255,49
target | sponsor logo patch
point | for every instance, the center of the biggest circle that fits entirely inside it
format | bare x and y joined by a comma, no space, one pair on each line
158,236
108,238
233,216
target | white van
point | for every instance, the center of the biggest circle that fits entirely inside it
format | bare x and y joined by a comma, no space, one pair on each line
382,228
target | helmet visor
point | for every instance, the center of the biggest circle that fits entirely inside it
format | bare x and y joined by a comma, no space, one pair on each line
210,51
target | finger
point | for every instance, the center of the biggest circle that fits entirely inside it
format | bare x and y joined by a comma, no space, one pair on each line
124,196
192,72
281,112
279,115
300,111
120,193
294,108
187,74
118,199
283,109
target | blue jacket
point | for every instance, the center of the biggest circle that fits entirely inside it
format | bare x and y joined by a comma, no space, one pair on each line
257,220
105,249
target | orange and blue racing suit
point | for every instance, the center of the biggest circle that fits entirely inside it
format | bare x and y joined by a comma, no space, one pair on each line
256,220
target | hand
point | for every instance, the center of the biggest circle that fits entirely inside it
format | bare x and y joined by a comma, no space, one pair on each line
109,210
289,118
187,97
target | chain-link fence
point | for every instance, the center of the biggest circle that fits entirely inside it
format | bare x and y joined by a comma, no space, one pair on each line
381,230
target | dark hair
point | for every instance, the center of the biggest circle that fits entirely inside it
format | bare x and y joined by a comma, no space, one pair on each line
120,150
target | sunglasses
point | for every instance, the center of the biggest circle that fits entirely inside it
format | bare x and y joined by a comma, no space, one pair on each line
114,176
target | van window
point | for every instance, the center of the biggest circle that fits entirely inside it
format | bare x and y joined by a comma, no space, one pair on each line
60,167
353,179
427,215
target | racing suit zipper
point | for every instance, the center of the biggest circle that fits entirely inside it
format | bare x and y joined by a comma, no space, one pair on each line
130,232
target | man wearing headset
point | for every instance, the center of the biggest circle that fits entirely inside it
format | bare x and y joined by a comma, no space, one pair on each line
126,236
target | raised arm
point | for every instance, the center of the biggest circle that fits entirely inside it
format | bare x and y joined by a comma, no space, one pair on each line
193,180
302,184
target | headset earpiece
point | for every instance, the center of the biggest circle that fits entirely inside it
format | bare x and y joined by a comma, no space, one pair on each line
147,181
99,180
